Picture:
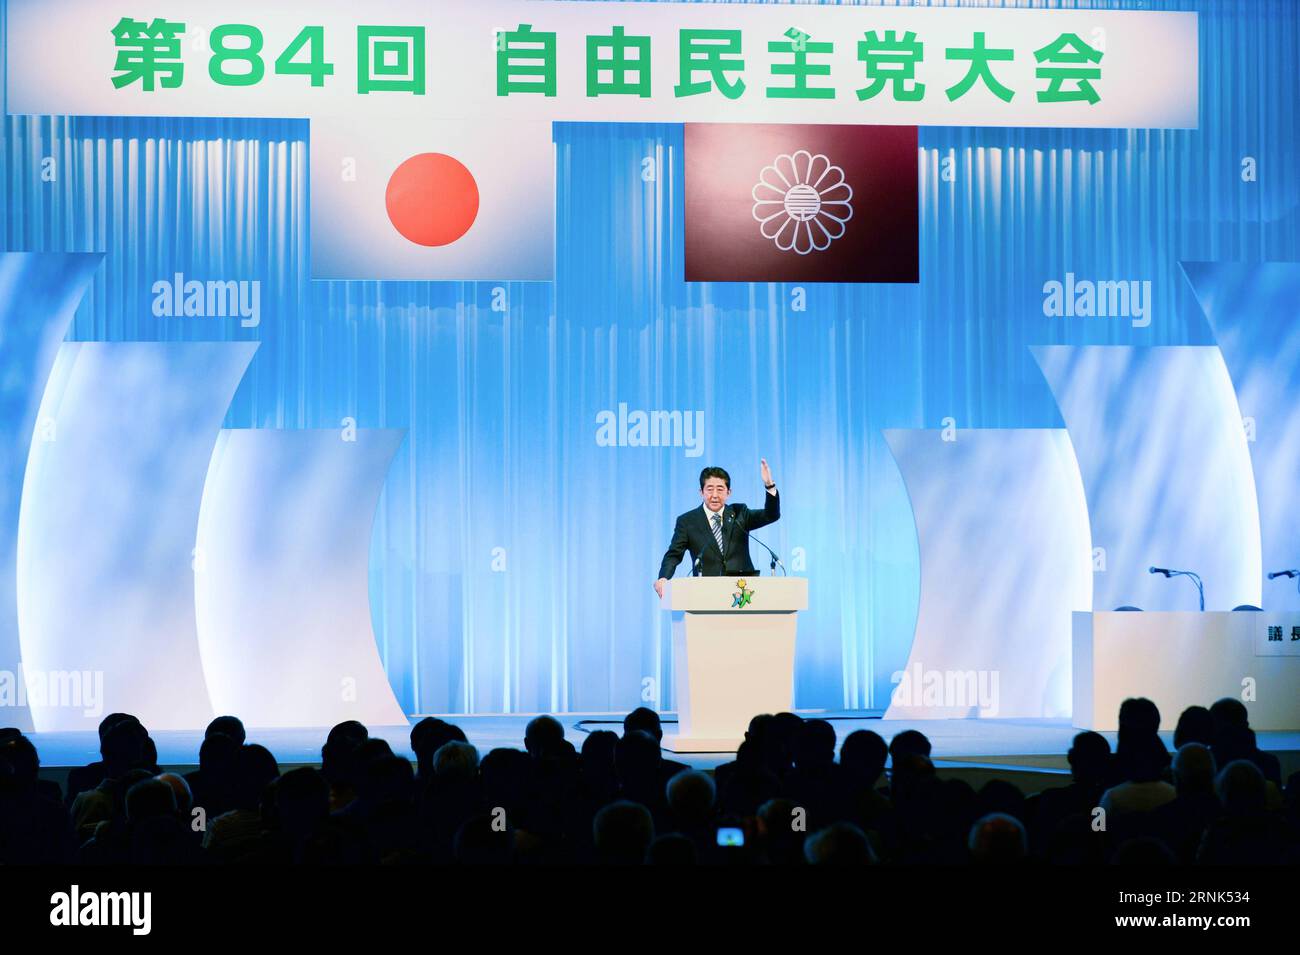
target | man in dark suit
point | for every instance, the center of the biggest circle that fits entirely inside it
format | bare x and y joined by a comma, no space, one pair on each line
717,533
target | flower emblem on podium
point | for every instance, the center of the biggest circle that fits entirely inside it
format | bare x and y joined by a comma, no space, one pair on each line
801,202
743,595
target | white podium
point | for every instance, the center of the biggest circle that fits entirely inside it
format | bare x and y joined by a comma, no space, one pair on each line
1180,659
733,655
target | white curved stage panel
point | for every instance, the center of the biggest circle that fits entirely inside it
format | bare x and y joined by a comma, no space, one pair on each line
39,293
106,529
1254,310
1159,438
282,593
1002,528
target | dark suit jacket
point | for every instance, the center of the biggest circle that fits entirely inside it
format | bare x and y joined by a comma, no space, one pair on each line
694,534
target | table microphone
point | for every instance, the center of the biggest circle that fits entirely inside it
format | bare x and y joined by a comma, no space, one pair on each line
1169,572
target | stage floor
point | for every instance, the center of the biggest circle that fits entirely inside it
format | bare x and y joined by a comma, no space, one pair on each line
1037,745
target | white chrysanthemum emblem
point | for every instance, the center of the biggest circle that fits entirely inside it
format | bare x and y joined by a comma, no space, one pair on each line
801,202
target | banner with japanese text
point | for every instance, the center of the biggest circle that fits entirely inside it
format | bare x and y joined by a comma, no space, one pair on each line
431,151
607,62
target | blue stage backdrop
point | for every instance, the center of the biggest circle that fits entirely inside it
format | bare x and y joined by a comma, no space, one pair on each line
513,552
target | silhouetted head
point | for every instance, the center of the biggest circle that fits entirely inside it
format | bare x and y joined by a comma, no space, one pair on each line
348,729
815,744
997,839
758,727
787,726
598,750
644,718
782,825
557,765
455,762
840,844
507,776
637,756
150,799
180,791
912,767
690,798
908,743
376,747
386,780
217,756
18,755
1138,715
111,720
123,745
1229,711
230,726
427,737
302,800
760,746
1140,753
1089,758
337,755
1195,725
1233,741
913,785
622,832
957,806
778,815
1193,769
255,769
864,753
997,796
542,735
1241,789
1144,760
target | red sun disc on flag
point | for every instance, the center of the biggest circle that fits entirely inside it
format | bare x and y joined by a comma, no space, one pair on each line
432,199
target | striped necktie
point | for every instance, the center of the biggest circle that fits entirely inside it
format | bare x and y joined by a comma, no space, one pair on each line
717,529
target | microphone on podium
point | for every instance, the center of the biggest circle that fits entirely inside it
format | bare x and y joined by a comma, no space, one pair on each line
1290,573
1168,572
775,559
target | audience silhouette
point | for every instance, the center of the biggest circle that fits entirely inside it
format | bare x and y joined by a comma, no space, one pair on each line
786,799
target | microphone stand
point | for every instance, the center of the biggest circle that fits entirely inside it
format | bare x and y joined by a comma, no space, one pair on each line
775,560
1200,587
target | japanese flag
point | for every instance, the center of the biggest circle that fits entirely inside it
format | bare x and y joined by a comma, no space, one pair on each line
438,200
